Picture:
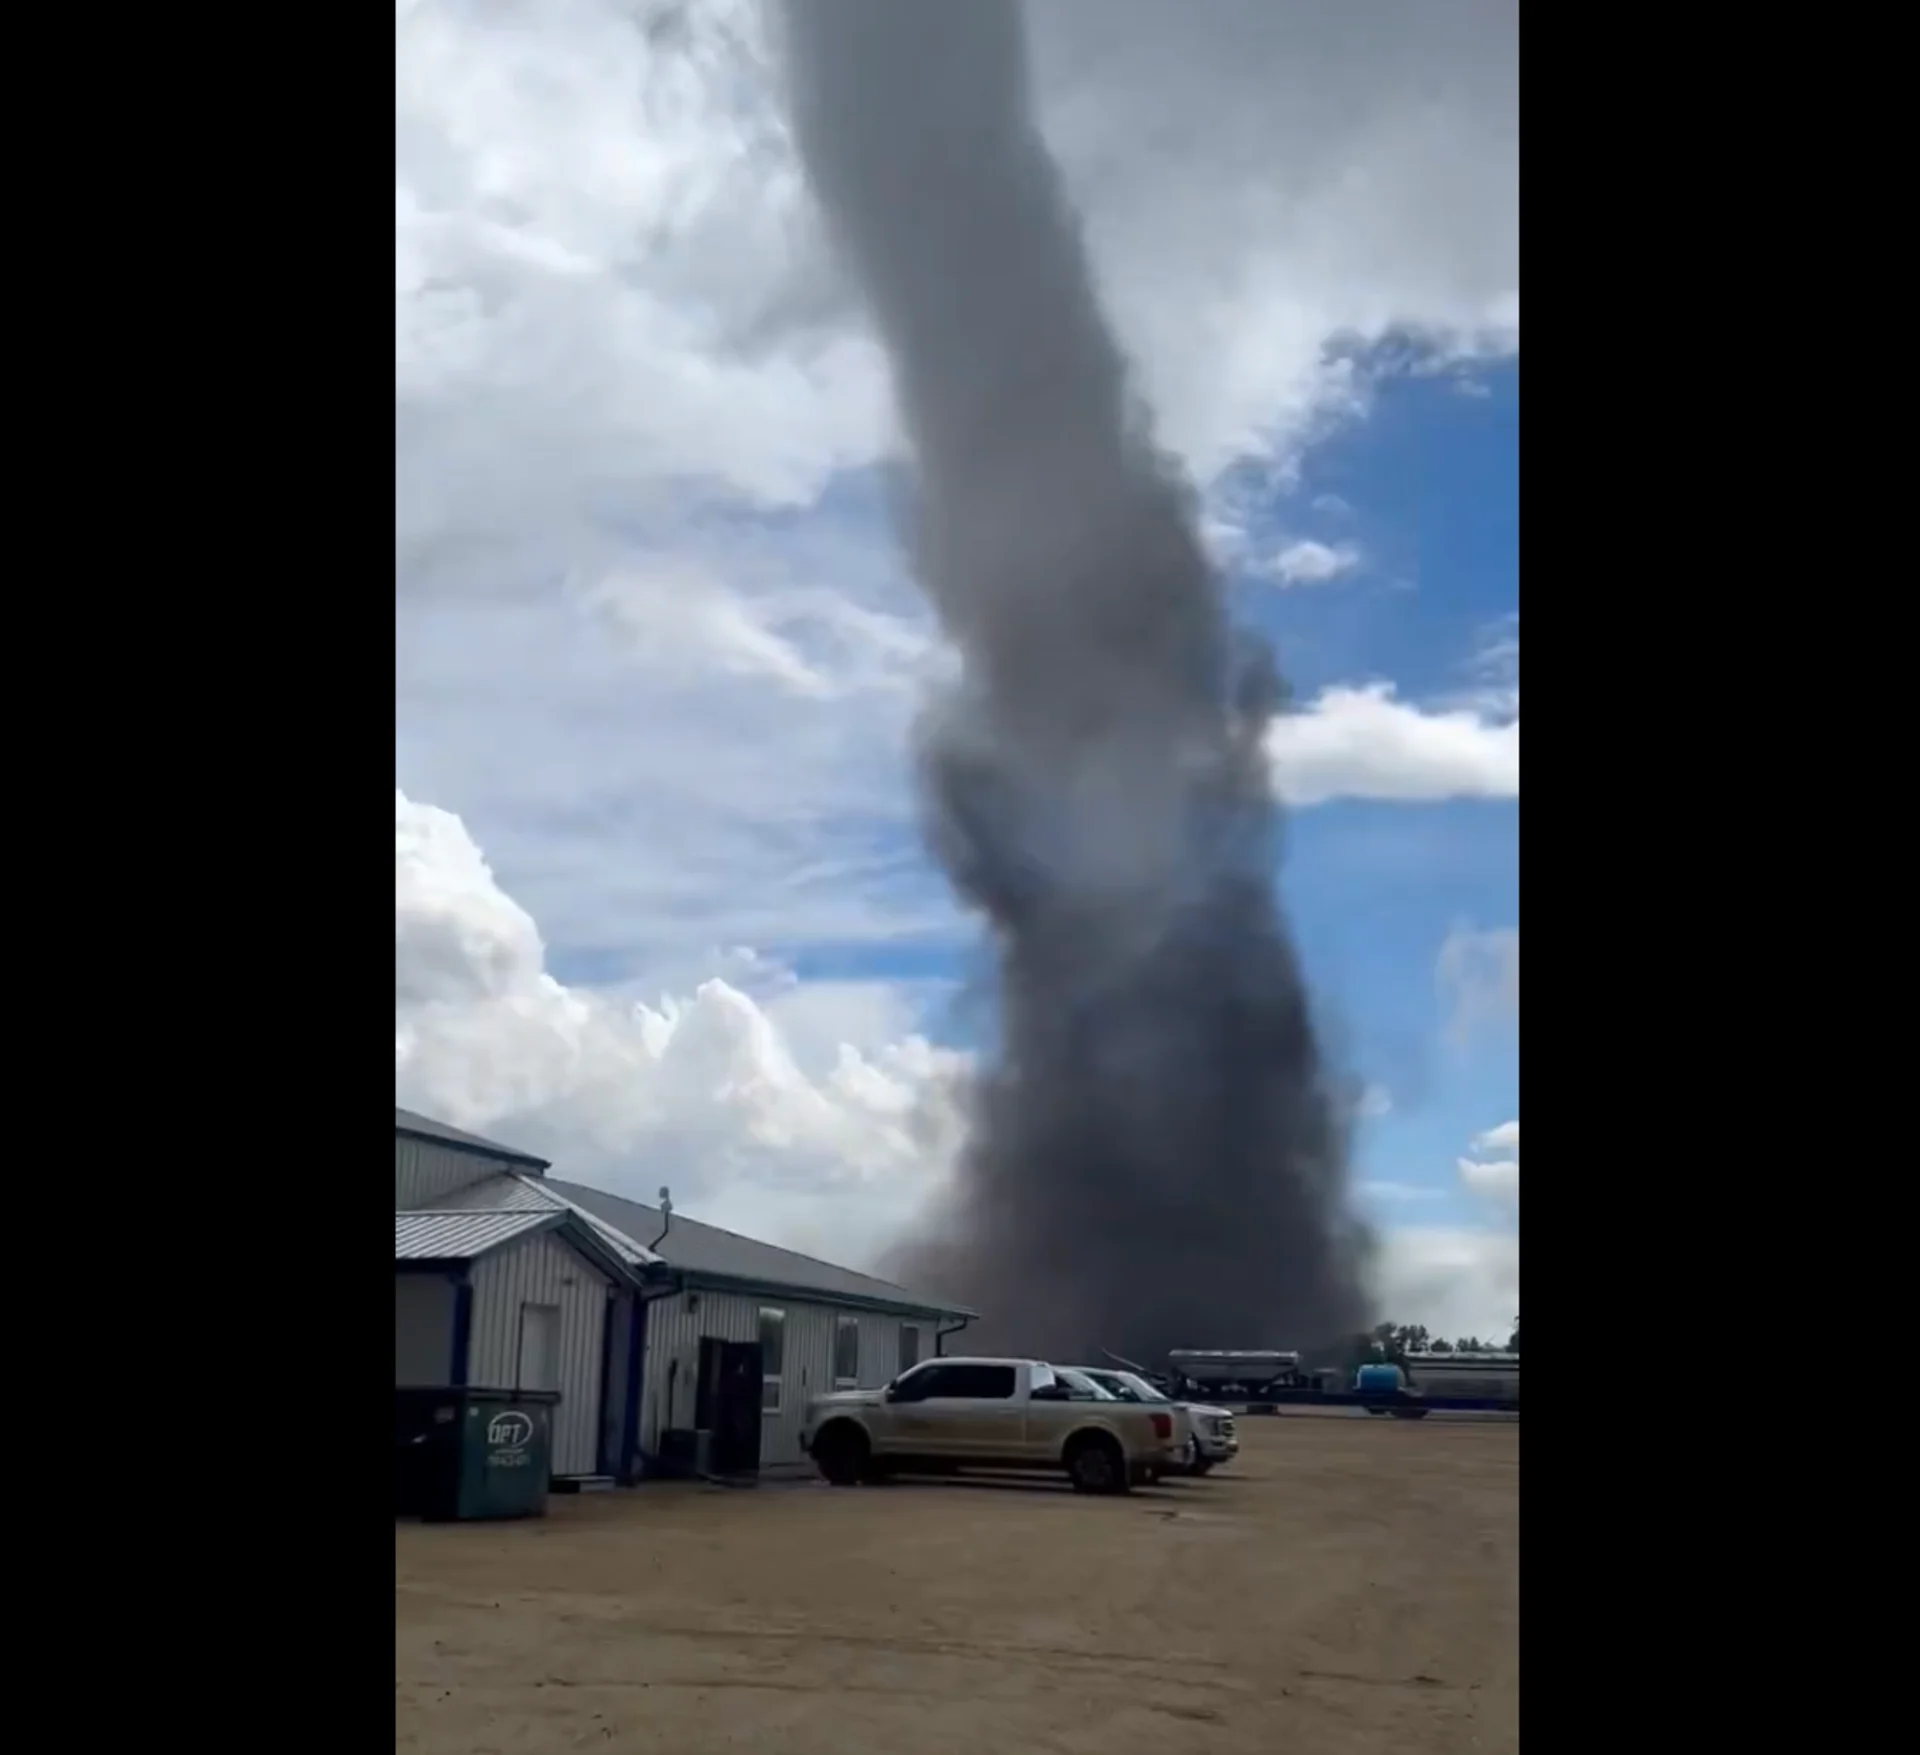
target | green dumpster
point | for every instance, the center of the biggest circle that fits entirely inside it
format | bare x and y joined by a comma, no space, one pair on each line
468,1454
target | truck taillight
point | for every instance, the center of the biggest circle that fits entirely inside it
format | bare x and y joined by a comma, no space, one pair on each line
1162,1425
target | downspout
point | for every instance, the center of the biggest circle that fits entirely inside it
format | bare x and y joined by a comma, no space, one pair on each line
637,1349
637,1376
940,1335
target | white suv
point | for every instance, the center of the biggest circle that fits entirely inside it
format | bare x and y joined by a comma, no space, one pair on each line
1212,1436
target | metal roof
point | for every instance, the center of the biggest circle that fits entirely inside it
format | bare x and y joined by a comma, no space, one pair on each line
706,1249
424,1127
1229,1353
443,1236
516,1193
630,1226
1465,1358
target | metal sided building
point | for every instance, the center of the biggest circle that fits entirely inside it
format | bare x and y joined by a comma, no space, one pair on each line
533,1299
432,1160
819,1327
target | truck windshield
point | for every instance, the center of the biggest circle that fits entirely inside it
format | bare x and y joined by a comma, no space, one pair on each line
1083,1387
1123,1386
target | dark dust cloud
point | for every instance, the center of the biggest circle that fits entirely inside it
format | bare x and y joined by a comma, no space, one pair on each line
1158,1152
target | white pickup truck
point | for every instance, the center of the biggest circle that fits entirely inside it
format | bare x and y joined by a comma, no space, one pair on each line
950,1414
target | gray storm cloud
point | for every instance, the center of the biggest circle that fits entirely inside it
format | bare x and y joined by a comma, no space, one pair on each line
1158,1152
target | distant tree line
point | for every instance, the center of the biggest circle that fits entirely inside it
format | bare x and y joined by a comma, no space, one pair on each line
1393,1341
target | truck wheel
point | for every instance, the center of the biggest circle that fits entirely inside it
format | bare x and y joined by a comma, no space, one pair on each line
1096,1465
1411,1413
1200,1465
841,1452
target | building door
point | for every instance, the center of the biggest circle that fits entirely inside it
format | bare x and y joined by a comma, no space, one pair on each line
727,1404
539,1361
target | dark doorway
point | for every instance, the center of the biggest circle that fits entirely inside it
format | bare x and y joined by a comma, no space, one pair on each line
617,1436
727,1405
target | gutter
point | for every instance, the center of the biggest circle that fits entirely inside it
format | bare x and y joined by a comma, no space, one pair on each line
940,1335
706,1280
653,1287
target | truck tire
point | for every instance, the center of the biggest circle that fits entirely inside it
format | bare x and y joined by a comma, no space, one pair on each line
1095,1464
1411,1413
1200,1465
841,1453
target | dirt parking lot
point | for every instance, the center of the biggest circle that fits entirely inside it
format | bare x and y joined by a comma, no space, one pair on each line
1349,1585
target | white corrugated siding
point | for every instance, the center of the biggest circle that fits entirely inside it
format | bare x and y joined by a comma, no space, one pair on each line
543,1270
674,1333
422,1329
673,1354
880,1347
424,1173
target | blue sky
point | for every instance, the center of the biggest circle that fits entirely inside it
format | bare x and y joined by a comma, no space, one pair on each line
1432,480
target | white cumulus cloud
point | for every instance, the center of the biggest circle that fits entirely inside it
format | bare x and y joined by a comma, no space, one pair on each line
1496,1179
1493,1172
1504,1138
1460,1279
1366,743
818,1115
1314,563
607,258
640,646
1457,1279
1478,974
794,1113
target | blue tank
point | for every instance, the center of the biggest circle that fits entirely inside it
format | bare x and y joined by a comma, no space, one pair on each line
1379,1380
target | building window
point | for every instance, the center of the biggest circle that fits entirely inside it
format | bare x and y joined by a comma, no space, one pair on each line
946,1380
846,1352
773,1358
909,1346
